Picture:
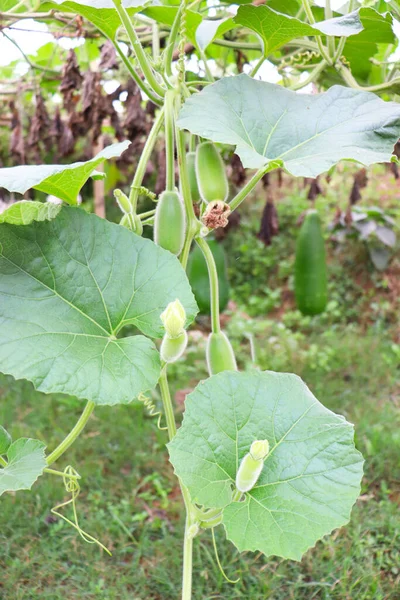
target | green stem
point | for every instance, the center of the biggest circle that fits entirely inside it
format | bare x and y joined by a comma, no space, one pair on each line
352,82
192,224
312,76
329,38
207,71
61,474
187,562
259,64
184,257
73,434
138,49
3,462
190,509
167,403
32,65
156,41
310,16
146,215
139,81
214,288
169,140
250,185
144,159
171,42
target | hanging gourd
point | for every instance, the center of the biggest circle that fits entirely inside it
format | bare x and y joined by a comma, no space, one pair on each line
211,175
310,267
170,222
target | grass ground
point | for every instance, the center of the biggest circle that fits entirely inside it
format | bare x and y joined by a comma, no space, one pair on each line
129,498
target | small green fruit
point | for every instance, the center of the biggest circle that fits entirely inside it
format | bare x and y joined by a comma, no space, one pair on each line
210,172
173,348
219,353
170,222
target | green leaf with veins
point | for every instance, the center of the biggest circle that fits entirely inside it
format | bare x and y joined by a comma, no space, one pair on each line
101,13
378,29
311,476
209,30
305,134
26,461
67,288
62,181
26,211
166,16
276,29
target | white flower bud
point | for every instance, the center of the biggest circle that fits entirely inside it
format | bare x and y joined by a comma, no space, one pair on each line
259,449
174,319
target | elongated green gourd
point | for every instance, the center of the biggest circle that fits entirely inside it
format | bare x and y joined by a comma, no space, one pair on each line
197,273
310,267
170,222
251,466
219,354
210,172
191,167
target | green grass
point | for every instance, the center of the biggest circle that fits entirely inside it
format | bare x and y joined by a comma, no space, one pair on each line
130,501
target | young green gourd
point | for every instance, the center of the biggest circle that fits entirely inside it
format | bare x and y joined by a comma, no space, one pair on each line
197,273
310,267
210,172
191,167
170,222
251,466
219,354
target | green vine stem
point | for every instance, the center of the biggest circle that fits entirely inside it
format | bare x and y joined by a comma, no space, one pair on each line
167,403
190,509
330,40
214,288
169,140
144,159
352,82
168,57
311,77
187,562
310,16
3,462
250,185
138,49
192,224
209,75
73,434
138,80
257,66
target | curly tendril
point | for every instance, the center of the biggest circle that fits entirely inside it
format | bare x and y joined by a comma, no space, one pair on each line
182,41
299,59
71,483
152,410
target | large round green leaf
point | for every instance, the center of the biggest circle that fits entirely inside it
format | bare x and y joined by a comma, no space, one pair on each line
306,134
311,476
67,288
